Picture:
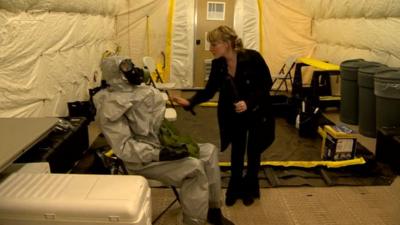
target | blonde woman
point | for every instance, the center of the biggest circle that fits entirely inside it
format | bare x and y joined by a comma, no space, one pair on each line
245,120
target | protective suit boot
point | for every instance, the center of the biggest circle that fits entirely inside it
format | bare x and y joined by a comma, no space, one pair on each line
215,217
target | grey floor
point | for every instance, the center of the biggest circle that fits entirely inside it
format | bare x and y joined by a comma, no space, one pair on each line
372,205
361,205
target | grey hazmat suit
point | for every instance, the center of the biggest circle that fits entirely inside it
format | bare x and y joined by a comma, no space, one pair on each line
130,117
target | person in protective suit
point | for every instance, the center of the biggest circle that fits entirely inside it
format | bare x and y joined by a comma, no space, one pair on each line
130,115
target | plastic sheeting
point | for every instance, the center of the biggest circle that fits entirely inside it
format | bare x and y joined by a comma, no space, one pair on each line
328,30
287,32
141,29
94,7
367,29
51,49
49,58
182,44
332,30
247,23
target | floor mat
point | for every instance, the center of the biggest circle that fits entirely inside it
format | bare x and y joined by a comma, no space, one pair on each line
288,146
369,174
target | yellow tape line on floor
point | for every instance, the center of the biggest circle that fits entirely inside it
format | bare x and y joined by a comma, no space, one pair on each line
205,104
304,164
307,164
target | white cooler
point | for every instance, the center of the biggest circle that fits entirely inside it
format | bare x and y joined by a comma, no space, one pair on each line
72,199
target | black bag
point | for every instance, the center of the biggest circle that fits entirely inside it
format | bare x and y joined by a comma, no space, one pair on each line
308,120
82,109
308,124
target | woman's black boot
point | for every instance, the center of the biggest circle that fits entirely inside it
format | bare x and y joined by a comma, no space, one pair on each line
233,193
230,199
251,190
247,199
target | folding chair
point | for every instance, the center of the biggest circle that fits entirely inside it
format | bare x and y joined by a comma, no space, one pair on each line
284,75
117,166
159,83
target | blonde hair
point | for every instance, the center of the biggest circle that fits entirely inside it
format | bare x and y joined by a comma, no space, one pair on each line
225,34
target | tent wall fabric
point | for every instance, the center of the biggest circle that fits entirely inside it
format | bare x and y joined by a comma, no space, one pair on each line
345,29
51,49
247,23
287,32
93,7
50,53
331,30
141,29
182,44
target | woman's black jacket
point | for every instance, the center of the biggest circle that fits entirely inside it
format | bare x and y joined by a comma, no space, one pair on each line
251,83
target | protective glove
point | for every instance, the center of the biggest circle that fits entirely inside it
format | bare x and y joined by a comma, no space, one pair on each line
167,154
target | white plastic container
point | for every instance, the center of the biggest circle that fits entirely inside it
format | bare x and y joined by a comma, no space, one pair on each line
72,199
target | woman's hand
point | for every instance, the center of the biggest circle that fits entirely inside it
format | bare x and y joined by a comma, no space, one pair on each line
180,101
184,103
240,106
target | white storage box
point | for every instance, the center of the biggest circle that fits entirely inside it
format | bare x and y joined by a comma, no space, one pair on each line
72,199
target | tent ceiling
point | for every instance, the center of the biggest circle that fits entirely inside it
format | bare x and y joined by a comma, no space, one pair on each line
51,49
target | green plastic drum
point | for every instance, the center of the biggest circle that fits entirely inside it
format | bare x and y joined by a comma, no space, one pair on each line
349,90
366,98
387,93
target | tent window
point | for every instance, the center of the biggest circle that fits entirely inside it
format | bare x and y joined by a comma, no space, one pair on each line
215,10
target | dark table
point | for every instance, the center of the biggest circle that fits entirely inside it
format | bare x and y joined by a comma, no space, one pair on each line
17,135
320,83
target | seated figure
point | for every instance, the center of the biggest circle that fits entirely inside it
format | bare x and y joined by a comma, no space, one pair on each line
130,115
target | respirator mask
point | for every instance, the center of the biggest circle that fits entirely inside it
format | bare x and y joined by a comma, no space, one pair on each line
133,74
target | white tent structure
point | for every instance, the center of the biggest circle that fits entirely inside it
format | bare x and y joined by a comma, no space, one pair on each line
51,49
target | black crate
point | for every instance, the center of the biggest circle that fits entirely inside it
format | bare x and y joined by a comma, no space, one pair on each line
388,147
